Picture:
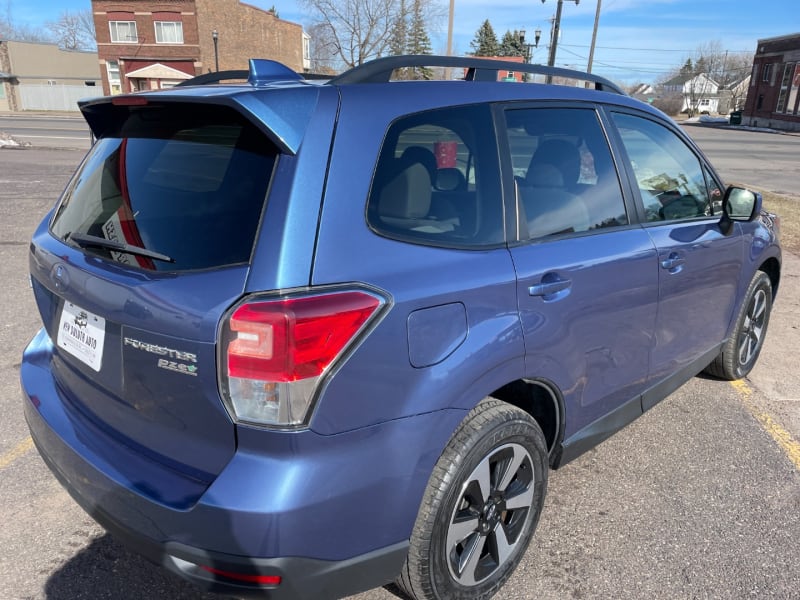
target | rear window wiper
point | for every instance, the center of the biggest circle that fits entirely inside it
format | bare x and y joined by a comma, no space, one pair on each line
92,241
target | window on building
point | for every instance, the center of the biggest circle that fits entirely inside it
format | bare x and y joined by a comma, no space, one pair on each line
766,74
112,68
169,32
754,76
786,80
794,87
123,32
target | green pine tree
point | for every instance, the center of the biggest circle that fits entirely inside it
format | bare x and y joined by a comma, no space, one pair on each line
418,41
485,42
511,44
398,44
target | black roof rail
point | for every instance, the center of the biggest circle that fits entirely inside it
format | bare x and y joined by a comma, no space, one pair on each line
477,69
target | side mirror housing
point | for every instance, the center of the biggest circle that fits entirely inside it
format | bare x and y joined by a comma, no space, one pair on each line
739,204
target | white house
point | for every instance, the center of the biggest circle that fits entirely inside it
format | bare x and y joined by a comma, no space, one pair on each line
700,93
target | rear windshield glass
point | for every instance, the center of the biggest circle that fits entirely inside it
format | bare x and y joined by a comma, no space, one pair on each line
170,188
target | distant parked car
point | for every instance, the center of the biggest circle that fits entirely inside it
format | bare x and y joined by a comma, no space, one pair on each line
303,339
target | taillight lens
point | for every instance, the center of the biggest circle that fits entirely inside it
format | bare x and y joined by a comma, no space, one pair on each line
275,351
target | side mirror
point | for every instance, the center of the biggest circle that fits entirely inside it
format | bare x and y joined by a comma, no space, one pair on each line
739,204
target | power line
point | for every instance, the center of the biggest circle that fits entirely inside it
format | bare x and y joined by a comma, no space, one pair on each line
649,49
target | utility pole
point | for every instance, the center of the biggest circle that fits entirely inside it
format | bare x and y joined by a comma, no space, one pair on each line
594,36
551,59
448,71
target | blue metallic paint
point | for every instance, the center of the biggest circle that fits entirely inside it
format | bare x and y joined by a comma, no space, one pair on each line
159,456
280,489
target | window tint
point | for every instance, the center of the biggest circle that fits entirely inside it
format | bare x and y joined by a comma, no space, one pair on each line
437,180
669,175
565,177
188,182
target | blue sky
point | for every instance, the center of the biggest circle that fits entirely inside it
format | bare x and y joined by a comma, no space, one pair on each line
638,40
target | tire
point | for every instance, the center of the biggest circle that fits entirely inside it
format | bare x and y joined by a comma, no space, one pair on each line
480,508
740,353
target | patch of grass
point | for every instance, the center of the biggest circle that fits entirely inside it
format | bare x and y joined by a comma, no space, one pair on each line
788,209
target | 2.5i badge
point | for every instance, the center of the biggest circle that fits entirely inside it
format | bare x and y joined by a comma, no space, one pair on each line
177,361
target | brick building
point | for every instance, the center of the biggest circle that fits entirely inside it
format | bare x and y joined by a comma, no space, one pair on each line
773,99
151,44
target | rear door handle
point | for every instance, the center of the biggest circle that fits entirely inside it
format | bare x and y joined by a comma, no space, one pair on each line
549,288
673,262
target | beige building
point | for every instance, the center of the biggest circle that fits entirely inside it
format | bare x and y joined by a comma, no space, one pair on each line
36,76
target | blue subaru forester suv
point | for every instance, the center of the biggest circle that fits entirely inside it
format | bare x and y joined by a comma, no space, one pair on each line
302,339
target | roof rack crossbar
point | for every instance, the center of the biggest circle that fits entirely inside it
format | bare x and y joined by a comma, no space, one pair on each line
477,69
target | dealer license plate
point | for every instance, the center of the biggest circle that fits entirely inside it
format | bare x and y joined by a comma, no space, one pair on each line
82,334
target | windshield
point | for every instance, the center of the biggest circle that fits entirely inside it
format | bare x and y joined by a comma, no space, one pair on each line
185,182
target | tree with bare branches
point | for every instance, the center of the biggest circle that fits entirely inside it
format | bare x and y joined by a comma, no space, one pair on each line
11,30
355,31
74,30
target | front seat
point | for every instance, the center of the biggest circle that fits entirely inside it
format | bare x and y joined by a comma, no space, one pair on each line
551,207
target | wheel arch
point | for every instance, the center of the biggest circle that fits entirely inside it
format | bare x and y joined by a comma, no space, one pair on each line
772,267
541,399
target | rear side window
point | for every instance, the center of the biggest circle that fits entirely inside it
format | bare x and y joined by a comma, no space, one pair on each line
184,183
437,181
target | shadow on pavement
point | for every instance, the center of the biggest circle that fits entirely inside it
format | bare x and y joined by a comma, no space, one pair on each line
107,570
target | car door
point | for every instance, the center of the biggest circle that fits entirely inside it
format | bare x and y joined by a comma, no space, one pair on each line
699,265
586,273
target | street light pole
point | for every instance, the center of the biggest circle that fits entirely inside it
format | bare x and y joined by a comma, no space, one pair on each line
215,37
551,59
528,46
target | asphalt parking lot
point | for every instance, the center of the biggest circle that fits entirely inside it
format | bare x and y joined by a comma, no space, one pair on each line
697,499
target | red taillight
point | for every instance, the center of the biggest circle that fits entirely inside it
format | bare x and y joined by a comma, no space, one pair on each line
259,579
294,338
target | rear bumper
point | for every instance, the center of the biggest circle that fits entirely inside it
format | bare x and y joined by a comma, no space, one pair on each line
299,577
330,515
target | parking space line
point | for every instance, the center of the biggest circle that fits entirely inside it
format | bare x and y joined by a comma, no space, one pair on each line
781,436
16,452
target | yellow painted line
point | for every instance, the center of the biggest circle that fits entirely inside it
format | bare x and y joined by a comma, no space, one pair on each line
782,437
18,451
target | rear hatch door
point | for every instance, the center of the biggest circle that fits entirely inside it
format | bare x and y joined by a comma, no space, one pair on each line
149,246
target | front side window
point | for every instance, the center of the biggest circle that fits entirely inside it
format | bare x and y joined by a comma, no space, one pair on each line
670,177
437,180
169,32
185,182
123,32
565,178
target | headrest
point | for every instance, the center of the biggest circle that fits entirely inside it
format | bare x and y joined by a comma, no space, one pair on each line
450,179
407,195
545,176
560,154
